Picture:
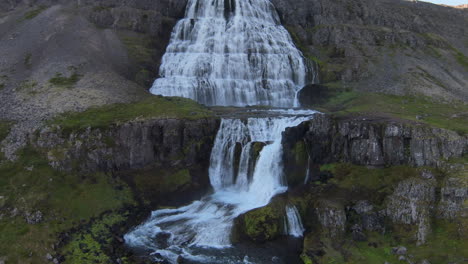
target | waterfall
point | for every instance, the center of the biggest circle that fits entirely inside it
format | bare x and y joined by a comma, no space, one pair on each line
293,223
229,53
232,53
208,222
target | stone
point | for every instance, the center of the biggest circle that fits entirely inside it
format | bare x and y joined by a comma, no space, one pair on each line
34,218
400,250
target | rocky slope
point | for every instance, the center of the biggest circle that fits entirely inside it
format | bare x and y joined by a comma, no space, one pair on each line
390,46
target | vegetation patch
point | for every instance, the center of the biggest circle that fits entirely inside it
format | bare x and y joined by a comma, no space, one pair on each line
378,183
4,129
27,60
91,244
453,116
34,13
151,107
59,80
64,200
263,224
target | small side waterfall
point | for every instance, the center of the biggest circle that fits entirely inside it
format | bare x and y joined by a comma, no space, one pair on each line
293,223
232,53
208,222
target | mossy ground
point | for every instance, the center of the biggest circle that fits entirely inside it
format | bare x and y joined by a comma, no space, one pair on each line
151,107
452,116
61,81
34,13
65,200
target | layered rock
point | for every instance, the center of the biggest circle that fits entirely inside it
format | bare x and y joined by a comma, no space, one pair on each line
132,145
362,141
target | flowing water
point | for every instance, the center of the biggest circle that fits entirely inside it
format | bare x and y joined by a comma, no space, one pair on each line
232,53
171,233
293,223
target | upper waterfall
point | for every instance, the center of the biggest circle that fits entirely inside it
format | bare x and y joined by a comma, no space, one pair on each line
232,53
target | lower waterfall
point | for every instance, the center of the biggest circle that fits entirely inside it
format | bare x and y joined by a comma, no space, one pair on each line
238,188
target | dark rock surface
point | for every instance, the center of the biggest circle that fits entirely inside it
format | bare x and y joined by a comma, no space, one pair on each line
132,145
371,142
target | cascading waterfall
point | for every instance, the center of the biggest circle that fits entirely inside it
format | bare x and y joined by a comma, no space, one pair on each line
229,53
208,222
293,223
232,53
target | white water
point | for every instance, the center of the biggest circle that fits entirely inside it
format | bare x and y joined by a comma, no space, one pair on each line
208,222
293,224
232,53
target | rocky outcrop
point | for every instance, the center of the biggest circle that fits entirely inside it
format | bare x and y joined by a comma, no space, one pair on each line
129,146
412,203
364,141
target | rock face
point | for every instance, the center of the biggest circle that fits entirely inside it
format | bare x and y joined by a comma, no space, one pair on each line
167,160
370,142
389,46
129,146
412,203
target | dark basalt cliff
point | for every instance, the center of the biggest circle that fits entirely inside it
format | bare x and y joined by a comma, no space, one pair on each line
148,153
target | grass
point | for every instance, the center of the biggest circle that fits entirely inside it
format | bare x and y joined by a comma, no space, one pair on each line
34,13
377,183
4,129
27,60
139,48
59,80
66,201
452,116
152,107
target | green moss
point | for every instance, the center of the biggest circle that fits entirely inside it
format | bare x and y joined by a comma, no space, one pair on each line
4,129
68,82
461,59
152,107
33,13
177,180
65,200
376,183
89,246
140,47
263,224
27,60
2,85
450,116
306,259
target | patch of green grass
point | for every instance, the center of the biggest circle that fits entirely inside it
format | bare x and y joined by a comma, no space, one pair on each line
461,59
152,107
4,129
34,13
452,116
65,200
27,60
378,182
140,48
59,80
